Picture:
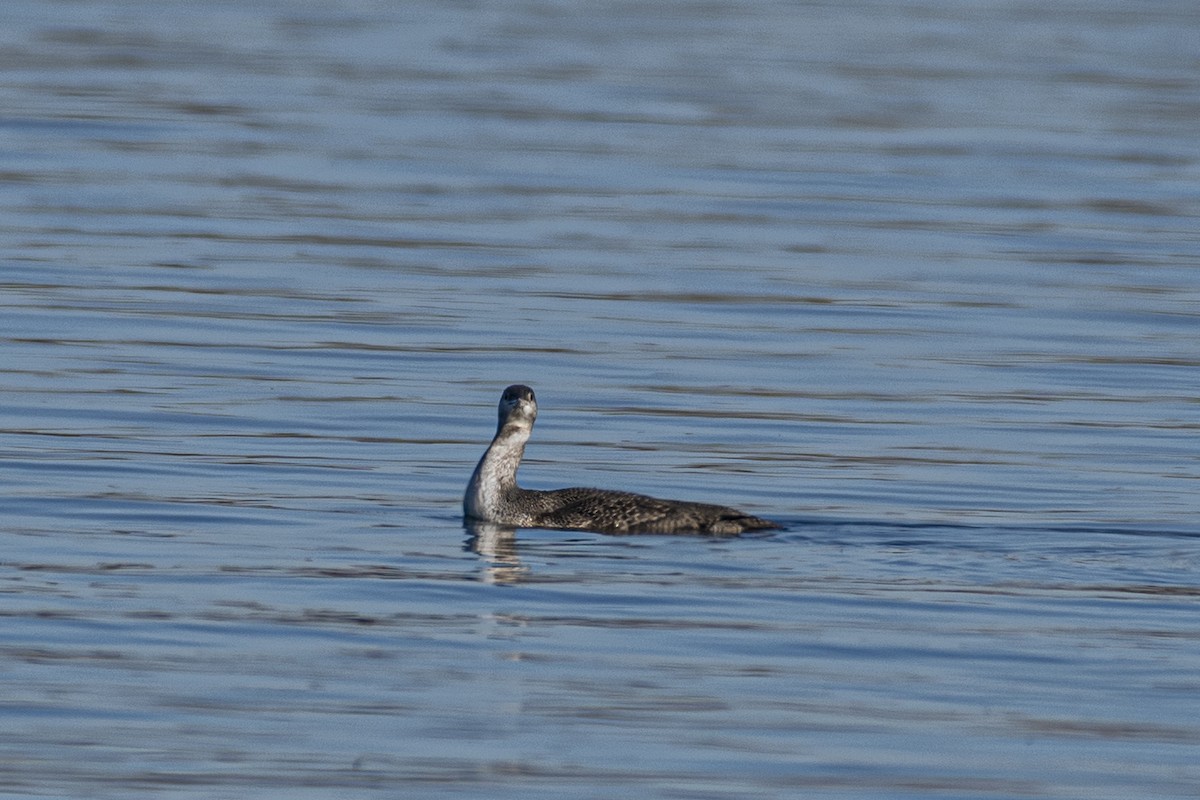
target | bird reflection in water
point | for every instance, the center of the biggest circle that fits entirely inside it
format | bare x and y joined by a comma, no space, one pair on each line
498,545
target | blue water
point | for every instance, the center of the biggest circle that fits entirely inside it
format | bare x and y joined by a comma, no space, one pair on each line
916,279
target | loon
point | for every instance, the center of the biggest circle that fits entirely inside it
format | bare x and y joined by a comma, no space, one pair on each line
493,494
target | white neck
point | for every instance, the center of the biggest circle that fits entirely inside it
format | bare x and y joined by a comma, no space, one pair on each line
495,476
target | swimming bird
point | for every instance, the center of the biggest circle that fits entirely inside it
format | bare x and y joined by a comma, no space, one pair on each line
493,494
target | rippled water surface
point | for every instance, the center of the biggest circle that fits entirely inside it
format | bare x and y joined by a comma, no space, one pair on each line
918,280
